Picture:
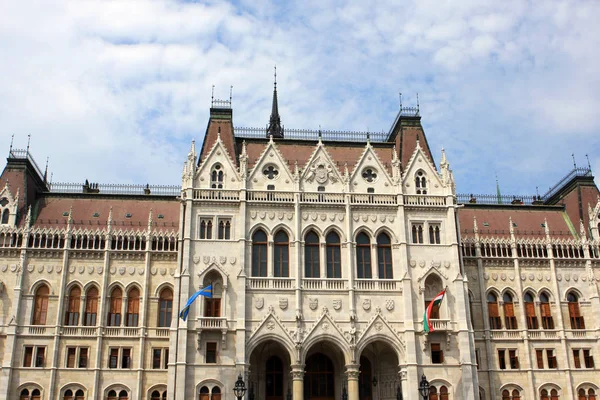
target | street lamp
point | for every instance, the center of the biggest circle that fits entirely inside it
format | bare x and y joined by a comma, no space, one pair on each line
424,388
240,387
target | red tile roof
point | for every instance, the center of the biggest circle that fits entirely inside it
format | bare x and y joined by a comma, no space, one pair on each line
529,221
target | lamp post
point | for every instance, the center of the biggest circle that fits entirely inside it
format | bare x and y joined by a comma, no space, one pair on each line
424,387
240,387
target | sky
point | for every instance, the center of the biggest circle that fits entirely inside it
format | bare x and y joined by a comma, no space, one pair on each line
115,91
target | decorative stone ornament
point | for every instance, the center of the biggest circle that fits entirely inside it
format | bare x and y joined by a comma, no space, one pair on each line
283,303
337,304
389,304
259,302
313,303
366,304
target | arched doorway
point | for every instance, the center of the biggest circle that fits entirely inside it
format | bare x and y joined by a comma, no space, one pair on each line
269,371
319,378
379,378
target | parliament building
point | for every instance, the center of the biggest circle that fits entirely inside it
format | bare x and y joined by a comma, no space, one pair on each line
322,250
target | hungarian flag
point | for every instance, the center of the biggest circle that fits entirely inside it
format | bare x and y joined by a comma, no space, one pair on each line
206,292
437,300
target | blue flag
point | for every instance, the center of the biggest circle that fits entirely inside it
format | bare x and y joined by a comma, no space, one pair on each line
207,292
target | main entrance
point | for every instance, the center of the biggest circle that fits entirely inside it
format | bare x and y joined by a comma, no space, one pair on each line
319,378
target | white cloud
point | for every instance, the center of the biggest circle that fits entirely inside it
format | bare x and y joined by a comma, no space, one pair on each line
118,89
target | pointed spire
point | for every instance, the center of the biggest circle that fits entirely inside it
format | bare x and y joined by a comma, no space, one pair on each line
28,218
546,227
109,222
150,221
475,227
275,129
498,195
581,229
46,171
443,161
12,139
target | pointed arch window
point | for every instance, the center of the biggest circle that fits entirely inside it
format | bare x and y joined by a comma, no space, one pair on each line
216,177
417,233
333,255
281,262
259,253
73,302
40,308
421,182
510,321
312,267
91,307
384,256
547,321
575,316
133,307
494,314
5,216
165,308
532,321
444,393
434,234
363,256
114,312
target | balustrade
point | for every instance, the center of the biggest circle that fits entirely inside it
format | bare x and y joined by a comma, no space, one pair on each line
320,197
377,284
216,194
270,283
270,195
324,283
212,323
425,200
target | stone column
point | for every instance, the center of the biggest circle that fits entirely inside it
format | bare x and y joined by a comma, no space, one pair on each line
298,381
352,371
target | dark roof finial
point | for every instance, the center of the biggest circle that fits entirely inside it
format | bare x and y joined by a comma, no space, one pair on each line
274,128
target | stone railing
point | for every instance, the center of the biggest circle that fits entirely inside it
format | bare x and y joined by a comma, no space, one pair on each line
270,283
542,334
79,330
269,196
121,331
216,194
377,284
425,200
158,332
321,197
376,199
38,330
505,334
580,334
212,323
324,284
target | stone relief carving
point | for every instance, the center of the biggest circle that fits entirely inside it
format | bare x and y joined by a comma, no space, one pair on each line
313,303
337,304
389,304
283,303
259,302
366,304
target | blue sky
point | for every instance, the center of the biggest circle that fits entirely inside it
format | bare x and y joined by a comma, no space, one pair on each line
115,91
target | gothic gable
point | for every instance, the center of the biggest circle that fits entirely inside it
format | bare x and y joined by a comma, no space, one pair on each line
324,326
379,328
370,172
270,326
270,169
218,160
321,170
420,167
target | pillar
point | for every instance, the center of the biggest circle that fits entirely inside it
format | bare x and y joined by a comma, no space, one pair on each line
352,371
298,381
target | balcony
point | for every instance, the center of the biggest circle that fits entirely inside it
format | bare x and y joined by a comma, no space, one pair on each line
425,201
374,199
324,284
321,197
270,283
389,285
212,323
269,196
542,334
505,334
216,195
580,334
121,331
79,331
39,330
159,332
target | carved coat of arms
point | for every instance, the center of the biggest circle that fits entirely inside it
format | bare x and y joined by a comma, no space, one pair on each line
283,303
337,304
313,303
259,302
366,304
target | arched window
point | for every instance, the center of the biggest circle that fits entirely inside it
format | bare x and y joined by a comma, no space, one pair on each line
212,305
68,395
505,395
281,261
532,321
544,395
554,394
5,216
114,312
575,316
204,393
123,395
133,307
516,395
216,393
433,393
91,307
417,233
364,379
581,394
443,393
433,286
259,253
494,313
421,182
224,229
72,312
165,308
312,268
24,394
36,395
363,256
40,310
216,177
591,394
155,395
384,256
547,321
79,395
333,250
509,312
319,377
434,234
112,395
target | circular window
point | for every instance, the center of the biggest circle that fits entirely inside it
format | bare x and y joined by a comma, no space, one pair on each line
369,174
271,172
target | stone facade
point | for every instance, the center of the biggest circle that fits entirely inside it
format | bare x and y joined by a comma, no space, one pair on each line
320,263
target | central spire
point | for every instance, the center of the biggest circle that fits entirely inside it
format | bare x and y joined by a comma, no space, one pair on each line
275,129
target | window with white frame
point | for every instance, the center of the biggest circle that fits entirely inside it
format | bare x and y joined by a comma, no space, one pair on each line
77,357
